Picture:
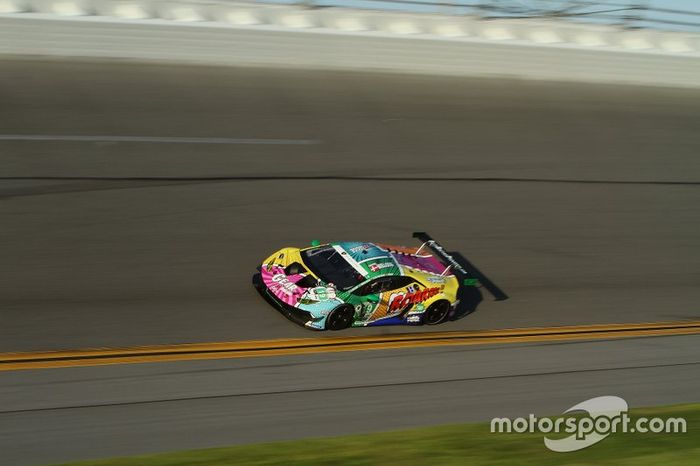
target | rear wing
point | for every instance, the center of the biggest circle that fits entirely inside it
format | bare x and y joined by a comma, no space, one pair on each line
464,270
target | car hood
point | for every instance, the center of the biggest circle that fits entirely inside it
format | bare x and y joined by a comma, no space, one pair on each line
287,288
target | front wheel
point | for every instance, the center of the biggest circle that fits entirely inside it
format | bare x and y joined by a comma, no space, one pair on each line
436,312
340,318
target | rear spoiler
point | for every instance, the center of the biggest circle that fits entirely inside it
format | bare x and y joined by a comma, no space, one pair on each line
464,270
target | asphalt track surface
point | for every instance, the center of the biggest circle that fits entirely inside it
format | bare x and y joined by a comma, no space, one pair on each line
579,200
132,261
57,415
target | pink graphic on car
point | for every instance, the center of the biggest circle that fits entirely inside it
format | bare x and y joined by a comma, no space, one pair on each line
282,285
425,263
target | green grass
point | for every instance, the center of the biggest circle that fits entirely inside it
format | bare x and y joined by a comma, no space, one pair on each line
449,445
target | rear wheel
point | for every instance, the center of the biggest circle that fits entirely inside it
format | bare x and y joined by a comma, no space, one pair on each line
341,317
436,312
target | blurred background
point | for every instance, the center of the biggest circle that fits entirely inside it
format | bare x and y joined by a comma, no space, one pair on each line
153,153
659,14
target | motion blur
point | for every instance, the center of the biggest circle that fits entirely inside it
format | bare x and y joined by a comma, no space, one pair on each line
153,154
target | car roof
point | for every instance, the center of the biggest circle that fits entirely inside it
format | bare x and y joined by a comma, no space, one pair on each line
369,259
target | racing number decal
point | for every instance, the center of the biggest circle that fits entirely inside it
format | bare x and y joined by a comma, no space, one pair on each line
363,310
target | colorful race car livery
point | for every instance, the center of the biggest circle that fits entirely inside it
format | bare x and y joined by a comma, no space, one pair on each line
337,285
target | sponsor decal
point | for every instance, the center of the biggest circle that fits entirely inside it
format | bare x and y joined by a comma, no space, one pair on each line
319,294
433,279
357,249
284,285
402,300
377,266
414,319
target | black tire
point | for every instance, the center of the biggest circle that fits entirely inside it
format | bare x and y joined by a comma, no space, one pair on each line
340,318
436,312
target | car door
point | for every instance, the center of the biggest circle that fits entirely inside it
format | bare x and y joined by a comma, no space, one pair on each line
374,297
367,297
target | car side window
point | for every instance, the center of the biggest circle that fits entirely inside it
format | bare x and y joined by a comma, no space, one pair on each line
382,284
375,286
399,282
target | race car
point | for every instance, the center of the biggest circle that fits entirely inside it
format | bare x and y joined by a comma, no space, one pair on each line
338,285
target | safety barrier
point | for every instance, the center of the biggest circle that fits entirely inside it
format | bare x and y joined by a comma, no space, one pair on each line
252,34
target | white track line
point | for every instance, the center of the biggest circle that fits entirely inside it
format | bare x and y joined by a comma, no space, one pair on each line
153,139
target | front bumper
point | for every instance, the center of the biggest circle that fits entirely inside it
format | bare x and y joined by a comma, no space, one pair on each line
303,318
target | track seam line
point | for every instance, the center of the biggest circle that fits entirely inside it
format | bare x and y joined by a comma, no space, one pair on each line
353,387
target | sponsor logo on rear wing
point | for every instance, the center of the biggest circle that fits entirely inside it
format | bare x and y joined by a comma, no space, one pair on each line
467,273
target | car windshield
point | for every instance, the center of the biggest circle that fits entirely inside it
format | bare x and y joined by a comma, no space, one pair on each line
328,265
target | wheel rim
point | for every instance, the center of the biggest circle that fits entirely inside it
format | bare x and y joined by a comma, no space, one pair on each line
437,313
340,319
